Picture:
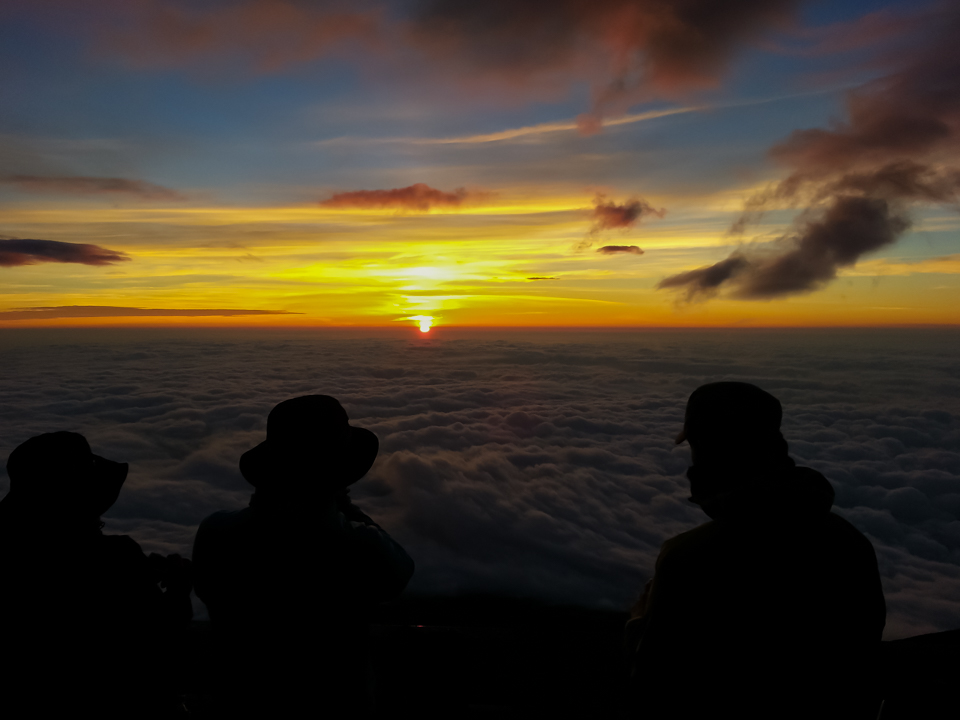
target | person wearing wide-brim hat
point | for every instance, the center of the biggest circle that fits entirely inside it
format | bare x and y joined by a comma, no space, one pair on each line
85,624
774,608
289,581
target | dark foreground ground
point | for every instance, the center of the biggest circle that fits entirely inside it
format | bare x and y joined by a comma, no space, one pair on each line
494,657
476,657
499,657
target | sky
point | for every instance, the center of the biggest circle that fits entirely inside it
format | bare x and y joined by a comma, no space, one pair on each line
523,463
285,163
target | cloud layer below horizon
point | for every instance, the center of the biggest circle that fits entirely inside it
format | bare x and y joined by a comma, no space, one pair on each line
539,466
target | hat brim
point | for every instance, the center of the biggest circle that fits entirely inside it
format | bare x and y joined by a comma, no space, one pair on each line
108,479
267,463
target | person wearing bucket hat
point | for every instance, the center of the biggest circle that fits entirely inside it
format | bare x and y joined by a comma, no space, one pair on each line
774,608
85,624
290,580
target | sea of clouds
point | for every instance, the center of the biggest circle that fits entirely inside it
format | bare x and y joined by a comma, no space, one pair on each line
537,464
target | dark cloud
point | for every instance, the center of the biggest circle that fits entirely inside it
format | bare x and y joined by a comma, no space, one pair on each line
848,228
419,196
620,250
15,252
79,185
609,215
706,280
899,146
543,277
88,311
652,47
629,50
540,467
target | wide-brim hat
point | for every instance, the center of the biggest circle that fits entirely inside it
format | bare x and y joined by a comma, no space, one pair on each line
310,441
59,470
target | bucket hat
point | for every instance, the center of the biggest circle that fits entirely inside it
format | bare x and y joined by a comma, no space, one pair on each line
58,470
310,441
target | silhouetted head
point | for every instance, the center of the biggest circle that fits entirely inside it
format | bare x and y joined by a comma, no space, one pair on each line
310,445
58,474
735,440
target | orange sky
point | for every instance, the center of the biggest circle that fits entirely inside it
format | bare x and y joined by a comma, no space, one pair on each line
289,167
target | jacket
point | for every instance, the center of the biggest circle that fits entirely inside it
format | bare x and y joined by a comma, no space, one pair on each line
289,584
772,609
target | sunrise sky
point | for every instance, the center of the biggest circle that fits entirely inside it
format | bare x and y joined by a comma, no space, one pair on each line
479,163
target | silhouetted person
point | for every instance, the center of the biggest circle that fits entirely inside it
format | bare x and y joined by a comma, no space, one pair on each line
773,609
290,580
86,627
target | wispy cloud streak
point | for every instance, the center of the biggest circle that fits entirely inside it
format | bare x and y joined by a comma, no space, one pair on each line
528,131
82,185
559,126
107,311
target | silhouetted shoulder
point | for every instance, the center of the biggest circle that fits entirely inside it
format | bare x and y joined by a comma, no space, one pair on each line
691,546
844,529
693,540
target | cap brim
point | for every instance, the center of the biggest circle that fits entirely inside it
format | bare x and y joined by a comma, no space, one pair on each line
344,465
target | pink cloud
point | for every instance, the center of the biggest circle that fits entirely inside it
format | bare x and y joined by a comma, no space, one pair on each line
418,196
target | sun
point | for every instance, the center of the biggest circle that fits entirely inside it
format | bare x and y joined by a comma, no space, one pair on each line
425,322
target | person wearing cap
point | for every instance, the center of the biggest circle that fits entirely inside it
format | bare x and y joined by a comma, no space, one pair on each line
290,580
89,621
774,608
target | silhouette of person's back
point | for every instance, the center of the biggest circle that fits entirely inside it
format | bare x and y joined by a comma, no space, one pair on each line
772,609
86,627
289,581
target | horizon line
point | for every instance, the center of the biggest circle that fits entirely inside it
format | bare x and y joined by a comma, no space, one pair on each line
21,325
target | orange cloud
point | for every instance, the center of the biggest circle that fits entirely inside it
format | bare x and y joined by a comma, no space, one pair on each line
418,196
80,185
